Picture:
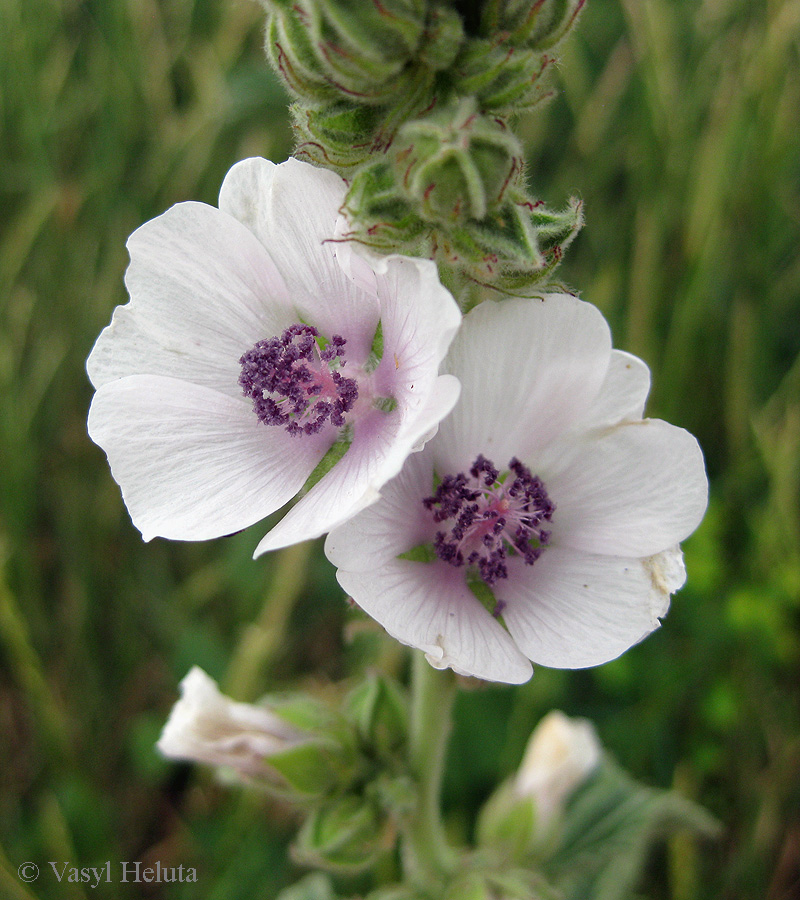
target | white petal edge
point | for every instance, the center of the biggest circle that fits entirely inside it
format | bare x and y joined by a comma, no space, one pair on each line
573,609
193,463
203,291
425,605
623,394
632,490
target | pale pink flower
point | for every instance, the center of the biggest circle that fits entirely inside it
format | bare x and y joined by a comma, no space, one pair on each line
542,522
250,352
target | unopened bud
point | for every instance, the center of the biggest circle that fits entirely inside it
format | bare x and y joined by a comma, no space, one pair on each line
379,711
522,816
560,756
455,163
502,77
442,38
353,49
538,24
345,835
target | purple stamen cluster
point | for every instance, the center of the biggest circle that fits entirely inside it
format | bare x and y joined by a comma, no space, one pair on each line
282,376
490,518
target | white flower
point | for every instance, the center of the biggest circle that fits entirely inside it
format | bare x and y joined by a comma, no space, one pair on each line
542,521
560,756
250,356
207,727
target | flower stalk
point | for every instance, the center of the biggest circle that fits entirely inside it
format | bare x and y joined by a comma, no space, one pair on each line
427,856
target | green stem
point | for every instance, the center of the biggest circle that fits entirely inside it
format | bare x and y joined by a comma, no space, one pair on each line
427,854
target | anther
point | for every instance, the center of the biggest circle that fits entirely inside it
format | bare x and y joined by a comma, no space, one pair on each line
294,383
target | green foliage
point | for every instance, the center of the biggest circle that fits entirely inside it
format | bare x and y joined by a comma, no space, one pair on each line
676,124
609,827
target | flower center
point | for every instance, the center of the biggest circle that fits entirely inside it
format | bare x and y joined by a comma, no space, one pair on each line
294,380
489,516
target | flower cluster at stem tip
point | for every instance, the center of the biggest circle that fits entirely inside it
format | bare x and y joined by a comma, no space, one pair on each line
254,363
490,489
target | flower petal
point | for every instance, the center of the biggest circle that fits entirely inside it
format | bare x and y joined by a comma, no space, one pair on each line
193,463
416,335
623,394
395,524
632,490
529,369
293,209
203,291
428,605
573,609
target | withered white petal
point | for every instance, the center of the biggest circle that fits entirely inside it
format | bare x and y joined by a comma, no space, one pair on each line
207,727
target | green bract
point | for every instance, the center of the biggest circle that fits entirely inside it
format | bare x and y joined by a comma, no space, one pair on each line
413,102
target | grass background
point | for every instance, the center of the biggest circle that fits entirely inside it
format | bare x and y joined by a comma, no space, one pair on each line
677,123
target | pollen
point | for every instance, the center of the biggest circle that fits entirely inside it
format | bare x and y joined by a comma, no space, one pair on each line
295,380
489,516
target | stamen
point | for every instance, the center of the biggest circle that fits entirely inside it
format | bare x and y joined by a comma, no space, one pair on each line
282,376
490,517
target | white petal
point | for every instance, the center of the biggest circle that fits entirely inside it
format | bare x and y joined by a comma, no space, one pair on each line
377,454
395,524
623,394
529,370
428,605
573,609
203,291
295,219
350,486
632,490
193,463
419,319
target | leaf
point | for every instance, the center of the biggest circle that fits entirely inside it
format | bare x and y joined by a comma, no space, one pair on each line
609,827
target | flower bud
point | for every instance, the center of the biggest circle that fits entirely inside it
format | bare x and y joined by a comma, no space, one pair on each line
522,815
560,756
503,78
381,215
454,163
291,53
514,248
379,711
345,835
352,48
336,135
537,24
442,38
205,726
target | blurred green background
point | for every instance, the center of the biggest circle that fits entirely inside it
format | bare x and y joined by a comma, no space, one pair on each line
678,122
